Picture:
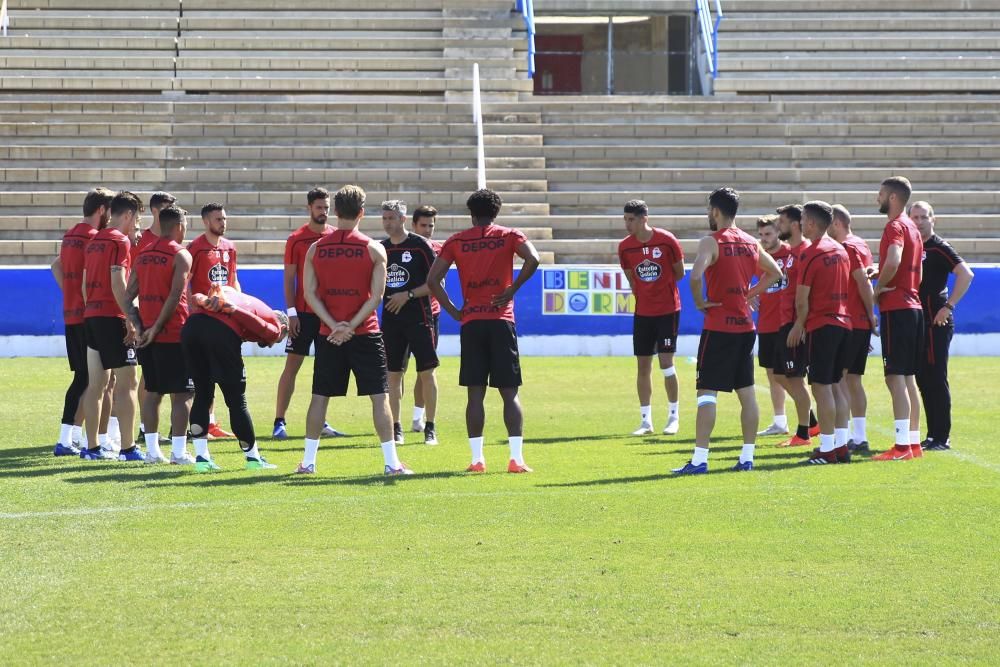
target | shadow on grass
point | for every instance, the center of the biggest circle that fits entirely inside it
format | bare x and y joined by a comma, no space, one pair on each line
662,440
211,480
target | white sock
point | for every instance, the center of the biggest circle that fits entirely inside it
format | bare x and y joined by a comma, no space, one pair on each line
77,433
153,443
902,427
201,448
102,440
673,410
114,431
312,448
647,413
840,436
476,445
178,444
142,427
746,454
860,426
827,442
83,439
389,455
914,437
700,456
66,434
781,421
211,417
418,413
517,449
254,453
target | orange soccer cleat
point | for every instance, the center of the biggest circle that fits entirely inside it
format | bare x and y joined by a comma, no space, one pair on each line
917,451
814,431
516,467
795,441
214,431
478,466
897,453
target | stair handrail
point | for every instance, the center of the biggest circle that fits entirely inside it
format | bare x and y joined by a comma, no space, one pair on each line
708,28
527,9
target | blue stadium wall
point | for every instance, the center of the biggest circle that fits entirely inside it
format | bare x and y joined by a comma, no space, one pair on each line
561,310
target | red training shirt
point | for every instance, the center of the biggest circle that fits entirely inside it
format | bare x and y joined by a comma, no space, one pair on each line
769,311
154,268
436,247
72,254
728,281
343,266
860,256
903,232
296,248
212,265
108,248
146,239
253,320
485,260
652,267
792,281
826,271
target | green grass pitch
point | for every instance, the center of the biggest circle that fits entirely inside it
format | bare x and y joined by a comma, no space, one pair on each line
599,557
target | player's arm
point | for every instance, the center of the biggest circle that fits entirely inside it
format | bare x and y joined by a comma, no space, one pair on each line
310,285
678,269
526,251
345,330
178,283
769,271
708,252
435,283
867,294
798,333
291,274
57,272
888,266
119,288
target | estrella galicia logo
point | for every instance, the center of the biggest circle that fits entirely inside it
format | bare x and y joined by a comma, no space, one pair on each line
578,302
396,276
218,275
647,271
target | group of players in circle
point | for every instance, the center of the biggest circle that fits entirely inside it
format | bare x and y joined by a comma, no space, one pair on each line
179,312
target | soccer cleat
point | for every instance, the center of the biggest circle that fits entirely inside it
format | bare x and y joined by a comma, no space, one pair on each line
843,454
202,464
397,472
773,429
743,466
330,432
515,467
478,466
691,469
259,464
62,450
306,470
858,447
917,451
935,446
822,458
158,457
184,459
279,431
214,431
131,454
397,433
795,441
645,428
110,451
417,426
673,425
93,455
814,431
897,453
430,435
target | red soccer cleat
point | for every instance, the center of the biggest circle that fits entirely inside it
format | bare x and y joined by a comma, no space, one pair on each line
516,467
843,454
917,451
822,458
897,453
479,466
795,441
215,432
814,431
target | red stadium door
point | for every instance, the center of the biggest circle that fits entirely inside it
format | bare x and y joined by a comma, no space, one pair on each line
558,64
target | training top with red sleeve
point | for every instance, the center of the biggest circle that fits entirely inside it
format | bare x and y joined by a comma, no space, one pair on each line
146,239
212,265
792,281
253,320
727,282
296,247
154,268
436,247
903,232
652,267
72,254
826,271
485,260
769,311
860,257
109,247
343,266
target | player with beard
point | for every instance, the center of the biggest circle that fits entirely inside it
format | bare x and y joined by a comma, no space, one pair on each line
424,220
769,341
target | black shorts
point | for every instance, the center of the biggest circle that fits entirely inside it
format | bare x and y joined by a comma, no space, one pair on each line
363,355
76,348
859,344
107,336
403,338
793,361
902,341
725,360
308,332
769,354
489,355
212,351
656,334
164,370
143,357
827,351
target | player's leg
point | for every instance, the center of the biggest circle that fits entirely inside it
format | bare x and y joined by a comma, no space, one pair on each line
473,374
427,381
743,384
126,404
366,356
395,399
286,387
141,400
505,376
397,351
107,407
419,405
180,413
940,406
93,398
644,347
779,425
666,346
712,377
422,343
331,373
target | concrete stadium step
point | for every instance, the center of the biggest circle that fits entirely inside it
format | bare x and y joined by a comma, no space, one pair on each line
895,82
874,21
852,61
256,60
741,177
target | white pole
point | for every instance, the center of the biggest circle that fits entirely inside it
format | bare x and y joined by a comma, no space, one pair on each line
477,118
4,19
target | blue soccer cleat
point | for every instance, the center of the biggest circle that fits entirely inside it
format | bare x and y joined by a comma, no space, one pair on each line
691,469
330,432
96,454
279,431
133,454
62,450
743,466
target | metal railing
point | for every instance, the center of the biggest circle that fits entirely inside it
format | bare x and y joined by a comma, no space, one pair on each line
709,29
477,118
4,18
527,9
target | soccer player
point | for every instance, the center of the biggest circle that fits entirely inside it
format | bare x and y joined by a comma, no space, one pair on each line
727,261
860,308
769,343
653,262
303,325
407,322
159,279
793,359
344,281
213,262
940,261
822,325
424,220
110,335
68,271
902,320
211,340
485,254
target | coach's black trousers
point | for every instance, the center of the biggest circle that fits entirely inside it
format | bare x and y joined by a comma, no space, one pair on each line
932,379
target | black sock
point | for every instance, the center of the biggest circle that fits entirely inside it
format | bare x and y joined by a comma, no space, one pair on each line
429,426
94,449
279,420
126,450
802,432
812,419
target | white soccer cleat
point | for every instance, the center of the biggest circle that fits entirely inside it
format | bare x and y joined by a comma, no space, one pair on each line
152,459
184,459
645,428
673,425
773,429
417,426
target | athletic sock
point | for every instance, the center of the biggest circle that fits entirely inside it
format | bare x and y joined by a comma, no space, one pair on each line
278,421
178,444
153,444
781,421
253,453
516,449
114,431
142,427
700,456
309,456
211,418
902,429
201,448
802,432
66,435
78,435
914,437
673,410
812,419
390,456
840,436
860,425
647,413
102,440
476,445
418,413
827,442
746,454
83,440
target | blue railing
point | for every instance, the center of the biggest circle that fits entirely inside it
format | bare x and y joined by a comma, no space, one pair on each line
527,9
708,24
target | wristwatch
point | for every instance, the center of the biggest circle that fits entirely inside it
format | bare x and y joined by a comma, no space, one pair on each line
410,294
949,306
